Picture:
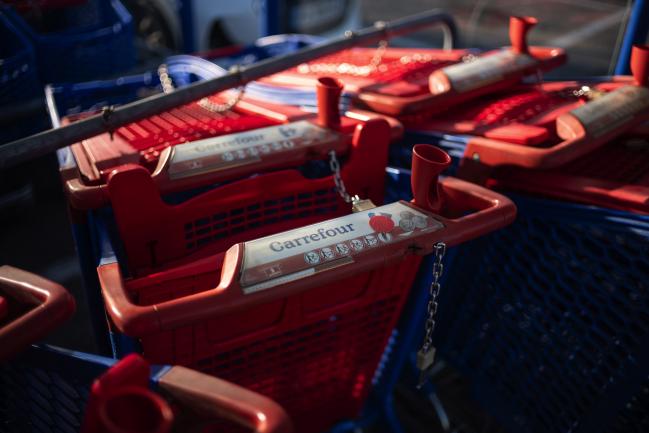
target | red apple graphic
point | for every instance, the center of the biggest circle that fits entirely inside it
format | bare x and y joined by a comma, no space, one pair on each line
381,223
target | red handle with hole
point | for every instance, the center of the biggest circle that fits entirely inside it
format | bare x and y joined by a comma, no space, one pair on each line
33,308
121,402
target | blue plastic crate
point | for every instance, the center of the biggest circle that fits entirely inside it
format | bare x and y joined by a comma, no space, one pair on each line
552,323
98,41
18,74
19,83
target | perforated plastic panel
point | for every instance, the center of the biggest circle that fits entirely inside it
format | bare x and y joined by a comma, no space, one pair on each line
392,66
554,315
187,123
44,391
488,112
314,353
635,416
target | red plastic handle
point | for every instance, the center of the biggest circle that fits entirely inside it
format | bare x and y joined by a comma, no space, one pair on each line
487,211
34,307
211,399
120,401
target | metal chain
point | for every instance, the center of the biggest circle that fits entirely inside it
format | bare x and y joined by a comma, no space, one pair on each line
438,269
334,165
165,80
205,103
216,107
347,68
377,58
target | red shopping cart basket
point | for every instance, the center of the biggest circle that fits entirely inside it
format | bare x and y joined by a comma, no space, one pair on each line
406,81
209,142
302,316
548,125
51,389
30,307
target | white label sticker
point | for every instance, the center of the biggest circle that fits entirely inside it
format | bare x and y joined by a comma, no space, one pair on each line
486,69
217,153
291,255
612,110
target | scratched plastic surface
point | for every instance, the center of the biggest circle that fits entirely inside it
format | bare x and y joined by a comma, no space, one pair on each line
186,123
555,317
413,69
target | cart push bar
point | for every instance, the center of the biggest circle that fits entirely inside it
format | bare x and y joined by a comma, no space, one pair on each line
31,147
279,265
30,308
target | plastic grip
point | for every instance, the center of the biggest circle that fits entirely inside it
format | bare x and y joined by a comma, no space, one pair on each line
34,307
212,398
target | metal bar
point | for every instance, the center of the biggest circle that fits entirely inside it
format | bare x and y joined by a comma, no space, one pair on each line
40,144
636,33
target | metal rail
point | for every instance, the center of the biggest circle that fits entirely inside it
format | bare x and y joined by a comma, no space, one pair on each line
25,149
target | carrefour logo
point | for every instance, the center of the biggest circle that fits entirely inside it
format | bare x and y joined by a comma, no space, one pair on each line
318,235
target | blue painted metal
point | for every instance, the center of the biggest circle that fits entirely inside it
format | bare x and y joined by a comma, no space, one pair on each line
185,10
636,33
271,17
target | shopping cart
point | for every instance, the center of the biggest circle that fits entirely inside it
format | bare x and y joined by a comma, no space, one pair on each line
53,389
96,37
551,327
407,81
307,329
556,125
30,307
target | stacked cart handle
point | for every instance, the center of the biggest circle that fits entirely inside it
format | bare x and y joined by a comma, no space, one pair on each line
581,130
121,400
212,398
449,210
30,307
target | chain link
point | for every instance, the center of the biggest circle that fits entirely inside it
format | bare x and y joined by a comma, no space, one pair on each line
347,68
334,165
216,107
377,58
438,270
165,79
205,103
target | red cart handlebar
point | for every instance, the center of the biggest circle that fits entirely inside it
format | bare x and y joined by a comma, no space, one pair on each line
321,253
32,307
